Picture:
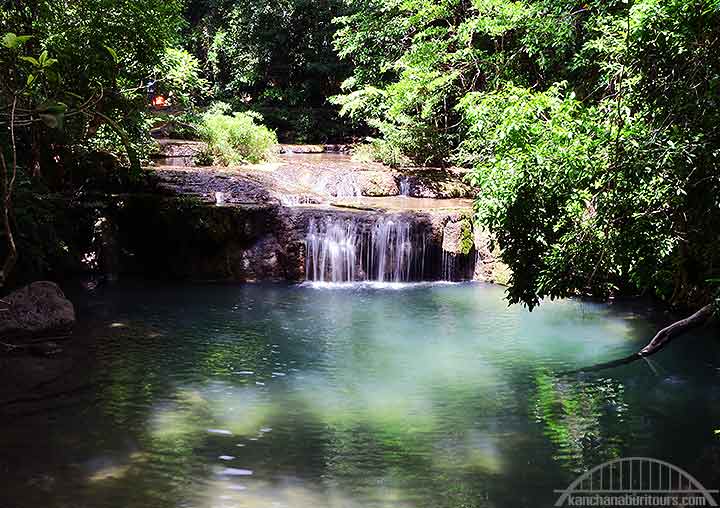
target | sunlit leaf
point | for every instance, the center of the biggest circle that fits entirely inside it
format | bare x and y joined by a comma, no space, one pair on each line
12,41
31,60
113,53
52,108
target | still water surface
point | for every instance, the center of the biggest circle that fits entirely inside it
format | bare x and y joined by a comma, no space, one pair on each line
427,395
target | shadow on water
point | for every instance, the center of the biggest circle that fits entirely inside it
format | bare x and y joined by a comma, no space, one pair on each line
411,395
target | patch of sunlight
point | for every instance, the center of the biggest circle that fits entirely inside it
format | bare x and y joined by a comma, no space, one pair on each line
113,472
264,166
476,452
484,454
187,415
117,469
387,388
233,492
220,409
242,411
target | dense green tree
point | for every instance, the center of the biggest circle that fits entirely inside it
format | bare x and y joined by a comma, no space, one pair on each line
591,129
275,57
73,76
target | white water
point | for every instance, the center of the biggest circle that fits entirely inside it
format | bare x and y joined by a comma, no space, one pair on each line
405,187
345,250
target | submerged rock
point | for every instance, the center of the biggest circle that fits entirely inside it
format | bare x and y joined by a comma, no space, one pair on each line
38,309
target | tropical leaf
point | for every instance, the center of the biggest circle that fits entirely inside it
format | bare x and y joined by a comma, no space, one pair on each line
30,59
12,41
113,53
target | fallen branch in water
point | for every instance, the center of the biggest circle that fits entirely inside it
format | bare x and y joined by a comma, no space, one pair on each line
666,335
658,343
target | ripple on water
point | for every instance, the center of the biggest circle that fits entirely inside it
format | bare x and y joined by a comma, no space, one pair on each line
409,395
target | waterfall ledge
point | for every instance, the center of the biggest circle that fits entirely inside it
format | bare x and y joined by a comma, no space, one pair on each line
180,238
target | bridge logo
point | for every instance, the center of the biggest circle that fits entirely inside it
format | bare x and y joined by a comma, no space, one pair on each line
636,481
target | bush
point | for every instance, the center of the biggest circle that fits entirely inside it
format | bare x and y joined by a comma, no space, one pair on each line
204,158
236,139
380,150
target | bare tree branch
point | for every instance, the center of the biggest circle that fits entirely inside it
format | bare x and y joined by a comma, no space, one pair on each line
666,335
659,342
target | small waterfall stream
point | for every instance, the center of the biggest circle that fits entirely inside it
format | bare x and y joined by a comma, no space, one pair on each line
405,187
347,250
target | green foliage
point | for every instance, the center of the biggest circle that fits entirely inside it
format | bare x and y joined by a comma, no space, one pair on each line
181,78
534,156
467,240
72,84
237,138
39,218
79,66
380,150
592,131
275,58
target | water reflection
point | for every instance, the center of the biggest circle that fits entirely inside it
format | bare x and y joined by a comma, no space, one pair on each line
433,396
582,419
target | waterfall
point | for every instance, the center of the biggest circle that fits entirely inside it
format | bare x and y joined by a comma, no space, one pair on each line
458,267
346,250
348,187
331,251
405,186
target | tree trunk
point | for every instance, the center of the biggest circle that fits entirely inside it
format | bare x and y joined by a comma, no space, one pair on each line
8,176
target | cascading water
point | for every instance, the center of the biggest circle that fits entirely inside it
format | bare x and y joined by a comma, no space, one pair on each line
347,250
458,267
348,187
331,251
405,187
392,251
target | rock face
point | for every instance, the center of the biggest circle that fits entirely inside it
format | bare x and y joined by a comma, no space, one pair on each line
486,263
181,238
378,184
262,226
190,239
458,236
38,309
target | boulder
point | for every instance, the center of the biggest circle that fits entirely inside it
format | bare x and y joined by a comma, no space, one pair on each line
38,309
